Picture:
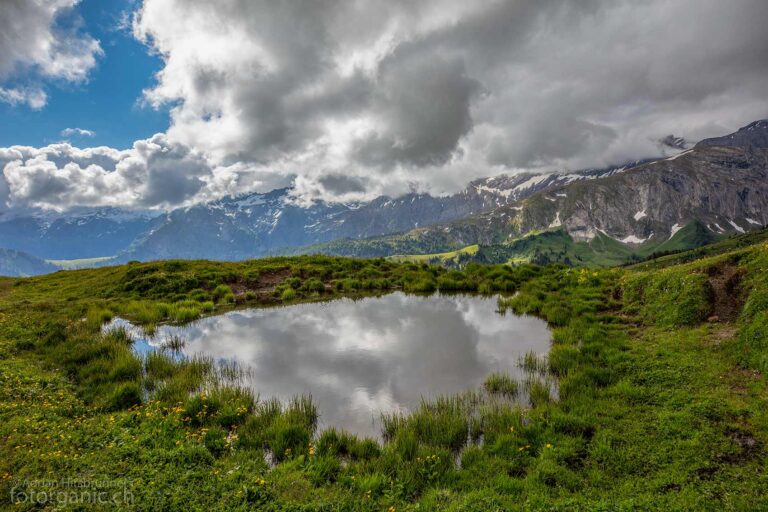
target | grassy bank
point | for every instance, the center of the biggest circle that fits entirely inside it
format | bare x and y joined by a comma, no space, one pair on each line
660,402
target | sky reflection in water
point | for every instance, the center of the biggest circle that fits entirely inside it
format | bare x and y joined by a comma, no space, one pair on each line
359,358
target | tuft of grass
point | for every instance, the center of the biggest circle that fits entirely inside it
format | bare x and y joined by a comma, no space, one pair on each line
538,390
501,384
533,363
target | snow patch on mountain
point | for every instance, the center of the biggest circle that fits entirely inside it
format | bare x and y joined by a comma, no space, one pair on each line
736,226
632,239
675,229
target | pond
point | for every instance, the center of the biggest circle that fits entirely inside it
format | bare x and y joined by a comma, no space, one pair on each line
359,358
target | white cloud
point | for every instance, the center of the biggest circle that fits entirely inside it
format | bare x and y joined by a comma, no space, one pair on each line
69,132
154,173
33,48
34,97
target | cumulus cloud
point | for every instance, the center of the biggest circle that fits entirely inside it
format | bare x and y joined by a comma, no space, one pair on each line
154,173
34,97
400,93
82,132
33,48
354,99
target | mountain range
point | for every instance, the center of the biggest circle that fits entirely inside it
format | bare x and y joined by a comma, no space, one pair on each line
720,186
715,188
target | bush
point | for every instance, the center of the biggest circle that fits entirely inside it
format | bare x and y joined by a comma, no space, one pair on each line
288,294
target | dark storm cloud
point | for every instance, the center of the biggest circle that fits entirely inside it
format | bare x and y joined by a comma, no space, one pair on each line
339,184
424,108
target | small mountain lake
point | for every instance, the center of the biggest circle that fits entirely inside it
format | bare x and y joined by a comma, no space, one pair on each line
358,358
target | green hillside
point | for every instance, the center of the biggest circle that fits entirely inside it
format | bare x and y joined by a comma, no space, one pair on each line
660,369
557,246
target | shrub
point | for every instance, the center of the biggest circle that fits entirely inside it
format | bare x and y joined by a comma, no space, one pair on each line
288,294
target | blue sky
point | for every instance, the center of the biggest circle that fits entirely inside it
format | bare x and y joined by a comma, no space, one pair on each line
108,103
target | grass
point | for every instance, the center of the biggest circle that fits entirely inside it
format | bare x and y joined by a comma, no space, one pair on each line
655,408
443,258
501,384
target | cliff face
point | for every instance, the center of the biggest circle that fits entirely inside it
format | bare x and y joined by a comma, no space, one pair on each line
725,188
721,183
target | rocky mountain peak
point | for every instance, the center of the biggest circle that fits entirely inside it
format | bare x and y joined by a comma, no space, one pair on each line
754,135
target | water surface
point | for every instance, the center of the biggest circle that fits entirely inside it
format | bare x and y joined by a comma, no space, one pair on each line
358,358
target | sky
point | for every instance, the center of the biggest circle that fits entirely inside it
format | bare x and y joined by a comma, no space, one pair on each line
166,103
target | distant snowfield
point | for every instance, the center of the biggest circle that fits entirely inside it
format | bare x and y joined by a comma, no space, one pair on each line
632,239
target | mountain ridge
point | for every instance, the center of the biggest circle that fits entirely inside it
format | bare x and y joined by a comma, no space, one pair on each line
722,183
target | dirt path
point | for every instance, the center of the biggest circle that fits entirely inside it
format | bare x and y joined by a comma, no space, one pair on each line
727,296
